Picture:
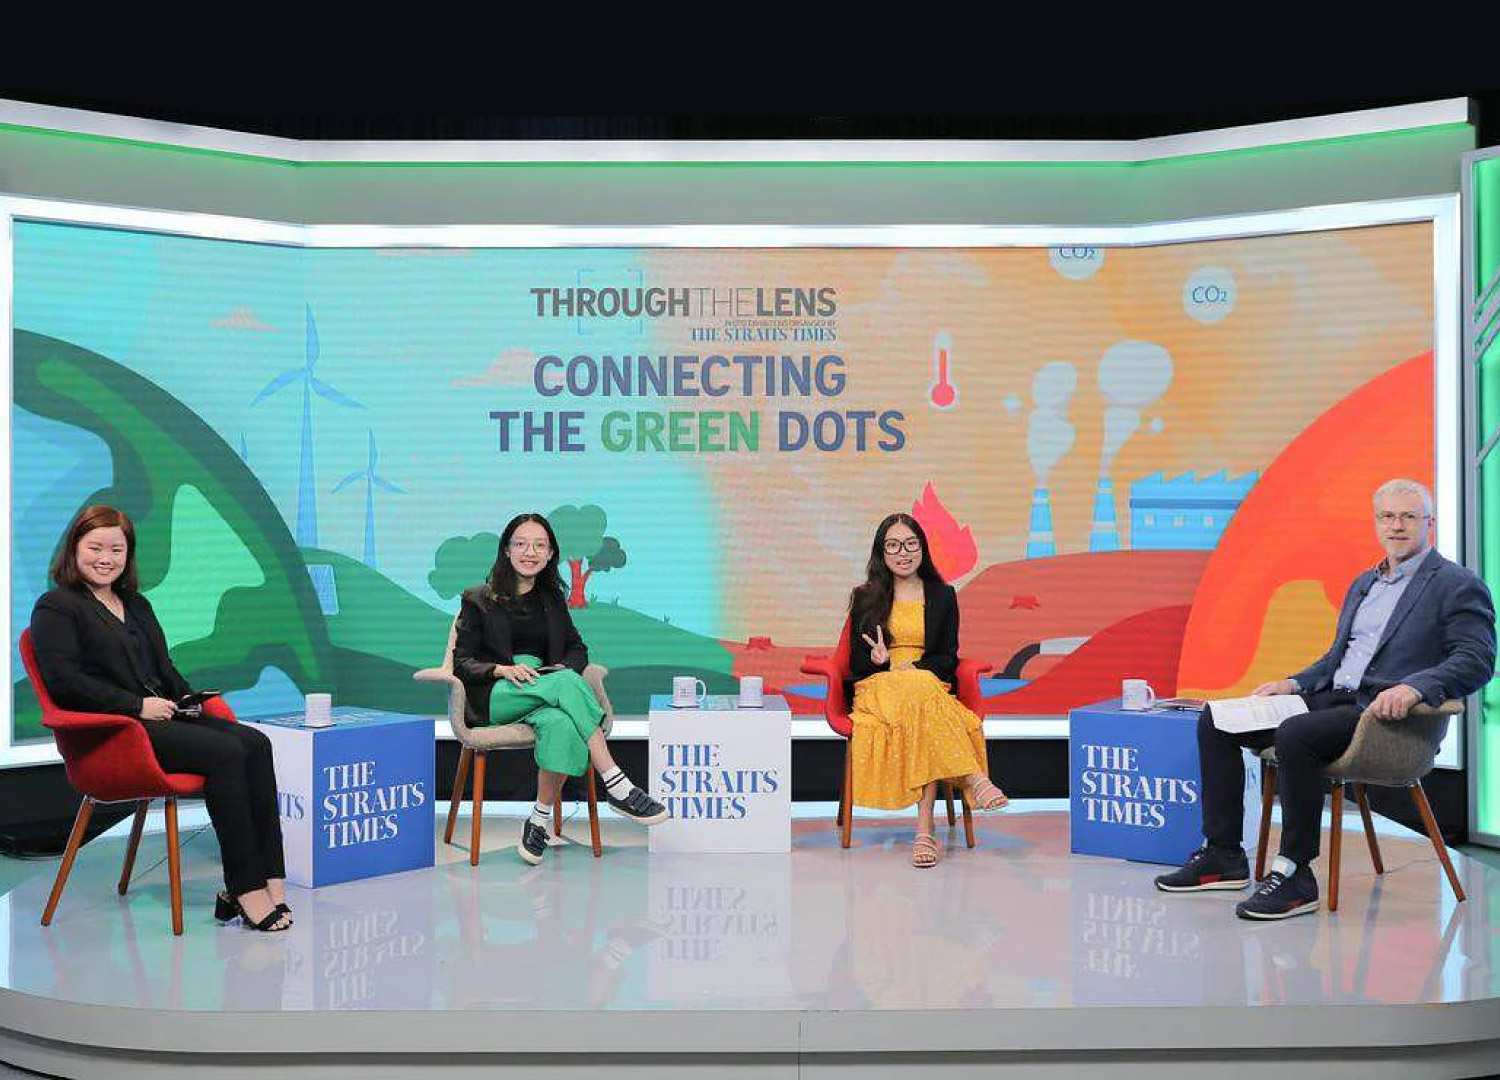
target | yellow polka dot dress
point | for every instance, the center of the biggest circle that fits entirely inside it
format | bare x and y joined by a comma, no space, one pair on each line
908,729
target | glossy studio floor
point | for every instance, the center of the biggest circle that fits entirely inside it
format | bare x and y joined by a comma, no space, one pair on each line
1013,959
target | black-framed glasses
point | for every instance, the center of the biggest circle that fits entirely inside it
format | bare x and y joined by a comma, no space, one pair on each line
1406,517
911,545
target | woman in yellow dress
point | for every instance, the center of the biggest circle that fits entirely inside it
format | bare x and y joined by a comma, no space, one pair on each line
909,729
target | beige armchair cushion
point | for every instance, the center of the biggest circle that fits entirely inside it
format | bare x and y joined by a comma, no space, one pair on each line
1391,753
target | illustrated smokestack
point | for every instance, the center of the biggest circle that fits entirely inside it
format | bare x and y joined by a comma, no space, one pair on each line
1039,540
1104,532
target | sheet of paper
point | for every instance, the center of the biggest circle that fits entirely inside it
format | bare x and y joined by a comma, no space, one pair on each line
1239,715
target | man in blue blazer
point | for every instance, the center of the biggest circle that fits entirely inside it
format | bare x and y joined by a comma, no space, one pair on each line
1415,628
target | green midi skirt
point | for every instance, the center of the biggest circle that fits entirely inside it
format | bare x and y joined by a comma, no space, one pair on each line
560,707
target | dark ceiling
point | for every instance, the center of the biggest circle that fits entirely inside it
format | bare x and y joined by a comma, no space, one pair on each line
1122,114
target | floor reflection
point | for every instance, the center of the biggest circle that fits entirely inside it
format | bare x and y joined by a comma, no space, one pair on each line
1014,923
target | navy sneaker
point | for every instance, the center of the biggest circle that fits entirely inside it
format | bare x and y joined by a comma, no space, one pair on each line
1281,896
533,845
1210,867
638,806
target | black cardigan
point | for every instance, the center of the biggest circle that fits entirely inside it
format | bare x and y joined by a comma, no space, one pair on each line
483,640
939,633
86,657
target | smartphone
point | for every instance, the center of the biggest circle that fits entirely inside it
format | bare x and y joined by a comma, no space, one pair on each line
550,667
196,699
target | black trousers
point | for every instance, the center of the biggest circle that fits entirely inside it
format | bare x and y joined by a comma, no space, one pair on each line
239,788
1305,745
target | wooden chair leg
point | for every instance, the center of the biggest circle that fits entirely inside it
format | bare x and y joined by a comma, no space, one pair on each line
174,865
593,797
948,797
846,824
968,818
1267,793
557,811
838,819
1335,842
1364,812
135,841
1424,808
460,779
479,758
75,841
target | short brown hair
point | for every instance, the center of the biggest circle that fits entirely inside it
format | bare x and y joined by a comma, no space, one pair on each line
65,566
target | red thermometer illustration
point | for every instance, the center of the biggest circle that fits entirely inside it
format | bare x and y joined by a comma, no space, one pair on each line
942,393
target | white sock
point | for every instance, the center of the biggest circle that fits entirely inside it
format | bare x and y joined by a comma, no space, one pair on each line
1282,865
541,814
616,782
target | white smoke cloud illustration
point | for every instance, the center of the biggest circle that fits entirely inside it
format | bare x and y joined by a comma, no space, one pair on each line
1132,375
1049,435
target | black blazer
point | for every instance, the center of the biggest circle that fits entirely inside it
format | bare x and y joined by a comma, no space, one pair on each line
939,633
86,657
483,640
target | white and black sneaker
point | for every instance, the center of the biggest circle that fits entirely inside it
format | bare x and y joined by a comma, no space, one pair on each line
533,845
638,806
1210,867
1282,895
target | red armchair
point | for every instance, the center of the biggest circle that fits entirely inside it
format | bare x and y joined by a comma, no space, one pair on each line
108,758
835,669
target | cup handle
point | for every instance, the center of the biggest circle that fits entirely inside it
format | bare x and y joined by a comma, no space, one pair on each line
1150,697
702,690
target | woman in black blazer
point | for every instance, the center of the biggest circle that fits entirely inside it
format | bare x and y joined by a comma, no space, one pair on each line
909,729
521,660
100,649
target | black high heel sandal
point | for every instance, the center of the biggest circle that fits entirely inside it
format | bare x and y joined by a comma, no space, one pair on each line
227,907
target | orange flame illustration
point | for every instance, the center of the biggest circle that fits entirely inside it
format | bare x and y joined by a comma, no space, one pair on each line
953,549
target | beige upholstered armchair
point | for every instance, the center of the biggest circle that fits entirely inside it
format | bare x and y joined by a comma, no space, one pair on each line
477,742
1386,753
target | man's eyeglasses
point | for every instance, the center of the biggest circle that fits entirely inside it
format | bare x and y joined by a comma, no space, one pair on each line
895,547
1407,518
540,547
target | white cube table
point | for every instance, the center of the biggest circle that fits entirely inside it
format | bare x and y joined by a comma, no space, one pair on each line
356,796
725,773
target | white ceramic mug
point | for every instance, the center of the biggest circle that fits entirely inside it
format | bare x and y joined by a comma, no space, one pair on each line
318,710
1136,695
752,691
687,691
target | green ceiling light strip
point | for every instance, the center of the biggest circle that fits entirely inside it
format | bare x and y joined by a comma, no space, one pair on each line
1275,149
146,144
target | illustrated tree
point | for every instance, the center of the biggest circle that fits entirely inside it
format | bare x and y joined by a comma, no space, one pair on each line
581,539
462,561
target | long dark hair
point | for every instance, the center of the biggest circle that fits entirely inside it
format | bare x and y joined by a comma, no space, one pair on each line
502,579
870,603
65,567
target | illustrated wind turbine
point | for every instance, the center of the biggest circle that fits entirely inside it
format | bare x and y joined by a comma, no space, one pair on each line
372,481
307,498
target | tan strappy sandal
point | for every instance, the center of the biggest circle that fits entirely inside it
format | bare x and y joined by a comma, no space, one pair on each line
986,796
925,852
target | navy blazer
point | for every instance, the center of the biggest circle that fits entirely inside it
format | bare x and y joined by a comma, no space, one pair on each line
939,637
1440,639
85,654
483,640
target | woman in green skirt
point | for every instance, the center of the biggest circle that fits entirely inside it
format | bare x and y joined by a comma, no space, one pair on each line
521,660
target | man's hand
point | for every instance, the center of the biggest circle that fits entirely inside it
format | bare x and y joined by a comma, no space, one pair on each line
1394,703
1280,686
